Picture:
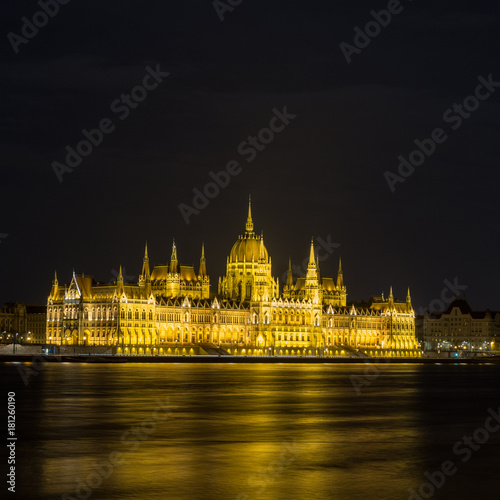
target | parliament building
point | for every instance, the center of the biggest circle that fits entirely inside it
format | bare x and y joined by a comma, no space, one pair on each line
172,310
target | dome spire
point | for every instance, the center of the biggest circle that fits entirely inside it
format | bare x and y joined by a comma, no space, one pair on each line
249,225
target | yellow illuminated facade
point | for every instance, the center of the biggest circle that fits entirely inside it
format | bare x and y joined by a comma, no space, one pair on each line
172,310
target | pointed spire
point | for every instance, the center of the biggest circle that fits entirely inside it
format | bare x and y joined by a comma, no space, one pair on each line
311,254
289,275
249,225
313,287
340,275
408,301
262,254
146,275
173,258
317,266
119,282
55,285
119,279
391,296
203,264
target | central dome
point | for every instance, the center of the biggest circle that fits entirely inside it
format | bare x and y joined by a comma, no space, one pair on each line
247,247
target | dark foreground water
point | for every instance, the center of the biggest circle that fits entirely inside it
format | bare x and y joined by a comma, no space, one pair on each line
243,432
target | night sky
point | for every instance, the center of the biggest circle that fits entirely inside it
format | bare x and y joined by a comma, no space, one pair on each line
321,175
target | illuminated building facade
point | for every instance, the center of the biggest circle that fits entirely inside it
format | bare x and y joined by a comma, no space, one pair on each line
461,328
23,323
171,310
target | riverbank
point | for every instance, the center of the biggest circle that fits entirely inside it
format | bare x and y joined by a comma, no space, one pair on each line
94,358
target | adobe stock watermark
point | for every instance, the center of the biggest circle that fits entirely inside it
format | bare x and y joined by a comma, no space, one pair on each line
38,364
268,475
454,116
3,236
221,7
372,29
323,249
248,149
463,448
448,295
40,19
127,278
122,107
371,373
134,436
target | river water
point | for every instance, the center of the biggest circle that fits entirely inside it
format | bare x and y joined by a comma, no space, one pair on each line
236,431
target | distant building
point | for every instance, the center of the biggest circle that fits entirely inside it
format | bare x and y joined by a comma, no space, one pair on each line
171,310
461,328
419,330
23,323
36,324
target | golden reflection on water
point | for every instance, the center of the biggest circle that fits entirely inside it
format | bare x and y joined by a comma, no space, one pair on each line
234,432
